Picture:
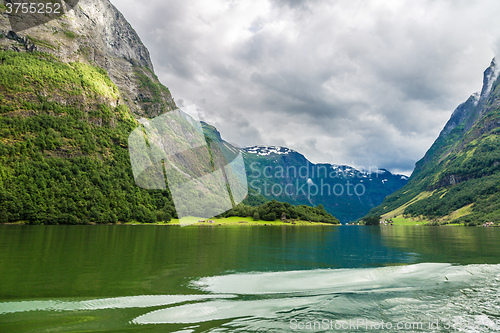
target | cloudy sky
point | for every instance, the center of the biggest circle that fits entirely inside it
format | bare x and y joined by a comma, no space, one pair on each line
358,82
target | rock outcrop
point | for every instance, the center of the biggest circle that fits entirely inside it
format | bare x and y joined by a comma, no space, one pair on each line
95,32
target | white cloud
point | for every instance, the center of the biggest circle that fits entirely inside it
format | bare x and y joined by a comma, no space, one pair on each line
349,82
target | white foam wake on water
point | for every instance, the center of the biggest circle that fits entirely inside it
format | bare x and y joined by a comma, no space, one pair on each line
460,298
338,280
145,301
223,309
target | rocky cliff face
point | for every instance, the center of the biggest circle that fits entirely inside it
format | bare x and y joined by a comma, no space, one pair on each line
95,32
457,179
467,113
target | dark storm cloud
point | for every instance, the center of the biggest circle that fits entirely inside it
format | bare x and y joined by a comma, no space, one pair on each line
365,83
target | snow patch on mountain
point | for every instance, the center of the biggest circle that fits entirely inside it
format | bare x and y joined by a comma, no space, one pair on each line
341,171
268,150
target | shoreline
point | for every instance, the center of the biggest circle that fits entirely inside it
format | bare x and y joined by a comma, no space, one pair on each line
248,221
229,221
233,221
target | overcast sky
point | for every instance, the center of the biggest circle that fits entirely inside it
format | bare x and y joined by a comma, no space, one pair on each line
358,82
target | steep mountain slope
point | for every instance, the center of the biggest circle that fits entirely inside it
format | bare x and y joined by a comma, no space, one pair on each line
458,179
67,107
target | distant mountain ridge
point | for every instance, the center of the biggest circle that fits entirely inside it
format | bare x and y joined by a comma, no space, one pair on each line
283,174
458,179
344,170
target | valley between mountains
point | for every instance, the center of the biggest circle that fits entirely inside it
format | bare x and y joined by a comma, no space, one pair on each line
73,89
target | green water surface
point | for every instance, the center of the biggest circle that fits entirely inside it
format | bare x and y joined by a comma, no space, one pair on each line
121,278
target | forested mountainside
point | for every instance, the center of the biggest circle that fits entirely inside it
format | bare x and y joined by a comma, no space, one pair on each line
458,179
70,92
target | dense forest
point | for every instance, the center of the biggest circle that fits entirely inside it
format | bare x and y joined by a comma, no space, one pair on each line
476,182
273,210
63,146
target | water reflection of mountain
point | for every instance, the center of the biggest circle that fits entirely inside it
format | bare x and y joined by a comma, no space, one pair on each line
446,244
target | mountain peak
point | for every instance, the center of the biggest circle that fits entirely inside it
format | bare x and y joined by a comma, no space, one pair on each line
470,111
490,76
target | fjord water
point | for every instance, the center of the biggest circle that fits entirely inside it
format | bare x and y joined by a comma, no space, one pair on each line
249,279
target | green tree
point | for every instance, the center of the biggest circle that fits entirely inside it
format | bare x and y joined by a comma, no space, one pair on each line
372,220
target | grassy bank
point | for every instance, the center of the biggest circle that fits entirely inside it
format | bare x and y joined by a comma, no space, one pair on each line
400,220
235,221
